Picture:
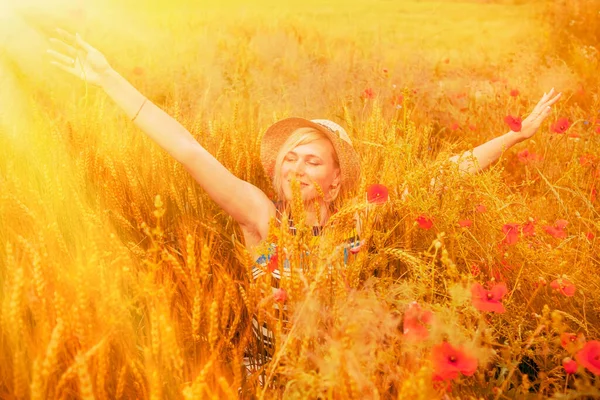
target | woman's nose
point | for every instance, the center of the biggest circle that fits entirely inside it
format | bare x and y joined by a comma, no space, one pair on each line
299,168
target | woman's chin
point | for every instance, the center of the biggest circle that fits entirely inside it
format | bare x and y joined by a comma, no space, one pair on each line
307,195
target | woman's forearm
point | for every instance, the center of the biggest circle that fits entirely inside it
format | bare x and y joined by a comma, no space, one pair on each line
484,155
157,124
250,207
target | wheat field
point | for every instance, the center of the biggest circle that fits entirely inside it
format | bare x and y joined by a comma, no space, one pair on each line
121,279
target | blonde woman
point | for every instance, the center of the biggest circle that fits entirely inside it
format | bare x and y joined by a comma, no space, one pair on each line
318,153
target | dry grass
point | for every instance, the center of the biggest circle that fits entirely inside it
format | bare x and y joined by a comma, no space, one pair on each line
122,279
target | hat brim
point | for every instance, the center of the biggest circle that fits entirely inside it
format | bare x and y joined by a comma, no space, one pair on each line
279,132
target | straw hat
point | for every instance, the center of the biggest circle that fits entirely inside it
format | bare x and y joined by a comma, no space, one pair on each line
278,133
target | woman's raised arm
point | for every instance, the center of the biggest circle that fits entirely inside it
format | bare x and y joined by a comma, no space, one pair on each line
484,155
247,204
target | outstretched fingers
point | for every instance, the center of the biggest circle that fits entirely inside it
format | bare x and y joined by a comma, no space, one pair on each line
74,43
545,112
546,101
66,36
553,100
65,68
548,95
83,44
538,107
61,58
63,47
66,58
546,108
67,51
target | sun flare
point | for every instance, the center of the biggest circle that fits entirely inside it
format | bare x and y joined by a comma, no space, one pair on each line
461,262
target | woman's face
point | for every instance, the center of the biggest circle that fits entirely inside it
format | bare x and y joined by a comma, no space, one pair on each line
312,164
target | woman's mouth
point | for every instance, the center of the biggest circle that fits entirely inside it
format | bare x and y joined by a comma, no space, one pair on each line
302,184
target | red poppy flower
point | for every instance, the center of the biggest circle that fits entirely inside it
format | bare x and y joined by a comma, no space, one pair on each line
454,126
528,228
280,295
572,342
475,270
514,123
589,356
377,194
138,71
598,129
368,93
489,300
561,223
526,156
480,208
569,365
553,231
587,159
564,286
523,156
566,338
465,223
424,222
397,100
415,322
273,263
590,236
449,361
473,127
558,230
512,233
561,125
514,92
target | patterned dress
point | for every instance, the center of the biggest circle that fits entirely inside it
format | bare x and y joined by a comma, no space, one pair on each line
264,335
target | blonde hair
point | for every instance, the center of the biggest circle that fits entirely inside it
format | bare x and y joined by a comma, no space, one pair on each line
299,137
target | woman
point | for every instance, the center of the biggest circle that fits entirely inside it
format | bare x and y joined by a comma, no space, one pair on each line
318,154
324,162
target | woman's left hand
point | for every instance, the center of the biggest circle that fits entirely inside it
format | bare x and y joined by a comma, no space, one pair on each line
532,123
78,58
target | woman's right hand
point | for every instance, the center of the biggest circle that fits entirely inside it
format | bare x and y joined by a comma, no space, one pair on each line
78,58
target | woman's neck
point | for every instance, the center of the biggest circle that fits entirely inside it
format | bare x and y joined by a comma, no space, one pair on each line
317,217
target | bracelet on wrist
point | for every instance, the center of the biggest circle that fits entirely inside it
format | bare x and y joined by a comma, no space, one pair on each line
138,112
